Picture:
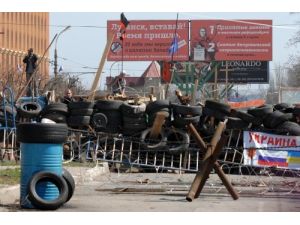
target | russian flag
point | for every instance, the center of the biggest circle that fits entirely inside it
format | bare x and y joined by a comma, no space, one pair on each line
272,161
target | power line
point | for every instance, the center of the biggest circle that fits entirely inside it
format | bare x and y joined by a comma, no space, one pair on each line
105,27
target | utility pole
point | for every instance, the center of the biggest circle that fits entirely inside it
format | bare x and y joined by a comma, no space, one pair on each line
55,50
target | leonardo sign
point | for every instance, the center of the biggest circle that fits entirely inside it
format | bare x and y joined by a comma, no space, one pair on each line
254,72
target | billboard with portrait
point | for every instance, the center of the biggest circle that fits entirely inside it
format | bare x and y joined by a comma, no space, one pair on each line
231,40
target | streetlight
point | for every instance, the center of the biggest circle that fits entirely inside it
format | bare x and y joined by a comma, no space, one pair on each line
55,50
110,78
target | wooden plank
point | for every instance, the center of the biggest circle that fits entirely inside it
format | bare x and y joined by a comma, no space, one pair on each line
197,137
196,83
157,125
202,175
225,181
204,171
101,65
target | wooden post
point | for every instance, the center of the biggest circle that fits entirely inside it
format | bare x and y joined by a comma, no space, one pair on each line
215,90
101,65
226,80
195,91
157,125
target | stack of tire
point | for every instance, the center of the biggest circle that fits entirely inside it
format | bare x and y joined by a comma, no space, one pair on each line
79,114
29,110
291,117
158,106
56,112
212,109
185,114
44,184
107,116
218,110
277,119
134,118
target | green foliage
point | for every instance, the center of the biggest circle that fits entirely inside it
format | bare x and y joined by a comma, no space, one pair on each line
10,176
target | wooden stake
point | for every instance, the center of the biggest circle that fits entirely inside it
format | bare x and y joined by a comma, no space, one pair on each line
101,65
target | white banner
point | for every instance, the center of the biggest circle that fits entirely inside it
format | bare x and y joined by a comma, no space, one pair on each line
264,150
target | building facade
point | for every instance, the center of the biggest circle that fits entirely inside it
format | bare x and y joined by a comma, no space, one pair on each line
20,31
149,82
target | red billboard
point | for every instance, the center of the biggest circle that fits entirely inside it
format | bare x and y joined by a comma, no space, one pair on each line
231,40
149,40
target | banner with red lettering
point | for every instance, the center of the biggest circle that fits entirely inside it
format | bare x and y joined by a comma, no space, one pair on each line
149,40
231,40
266,150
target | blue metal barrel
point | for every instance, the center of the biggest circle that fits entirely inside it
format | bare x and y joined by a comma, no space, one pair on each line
37,157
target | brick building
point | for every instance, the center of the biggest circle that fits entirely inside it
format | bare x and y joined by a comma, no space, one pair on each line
150,79
20,31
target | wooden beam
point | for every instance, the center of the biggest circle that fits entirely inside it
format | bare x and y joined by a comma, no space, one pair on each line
157,125
101,65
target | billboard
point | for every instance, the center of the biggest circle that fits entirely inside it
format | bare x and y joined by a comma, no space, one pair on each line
239,72
231,40
250,72
149,40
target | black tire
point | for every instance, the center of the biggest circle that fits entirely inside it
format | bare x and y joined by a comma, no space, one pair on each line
99,120
160,143
134,120
216,114
156,106
78,121
248,118
40,203
55,108
80,105
108,105
186,110
296,111
70,182
129,109
274,119
114,121
281,106
236,123
177,140
42,133
218,106
29,109
261,112
181,122
81,112
289,127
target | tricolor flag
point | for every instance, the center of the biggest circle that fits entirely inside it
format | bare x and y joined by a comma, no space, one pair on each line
174,46
272,161
123,25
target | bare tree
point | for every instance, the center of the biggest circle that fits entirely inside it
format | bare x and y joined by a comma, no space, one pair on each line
293,71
